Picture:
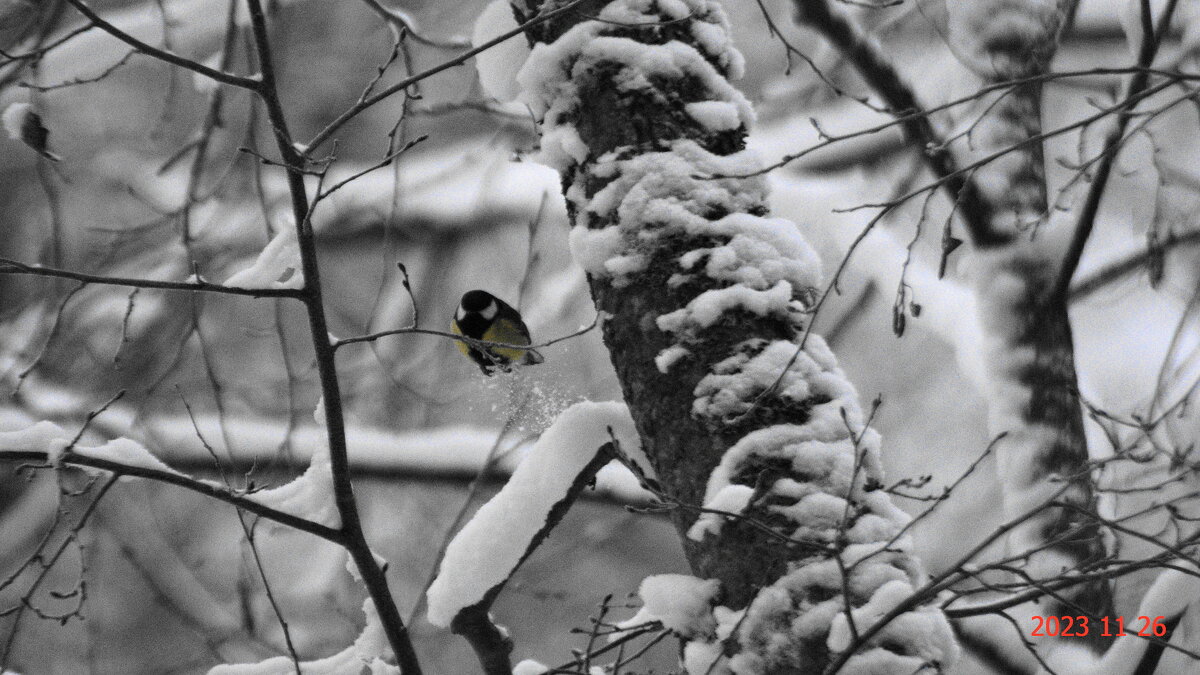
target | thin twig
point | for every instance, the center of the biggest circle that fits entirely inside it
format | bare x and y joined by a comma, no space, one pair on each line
250,83
8,266
463,338
1138,84
407,82
882,76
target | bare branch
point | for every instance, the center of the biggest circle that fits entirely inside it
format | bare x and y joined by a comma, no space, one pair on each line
882,76
1138,84
250,83
8,266
463,338
330,129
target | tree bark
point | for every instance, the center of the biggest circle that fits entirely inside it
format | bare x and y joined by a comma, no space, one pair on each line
709,304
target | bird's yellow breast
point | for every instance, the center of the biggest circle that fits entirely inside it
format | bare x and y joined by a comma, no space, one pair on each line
462,346
503,330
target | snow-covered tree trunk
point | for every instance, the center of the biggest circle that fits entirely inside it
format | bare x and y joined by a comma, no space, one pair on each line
740,410
1022,300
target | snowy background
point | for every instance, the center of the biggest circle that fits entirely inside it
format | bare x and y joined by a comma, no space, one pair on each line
170,585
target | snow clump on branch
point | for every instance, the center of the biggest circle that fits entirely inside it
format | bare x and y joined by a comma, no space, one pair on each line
277,265
53,440
488,548
366,654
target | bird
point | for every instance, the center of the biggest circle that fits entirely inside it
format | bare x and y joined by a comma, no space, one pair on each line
483,316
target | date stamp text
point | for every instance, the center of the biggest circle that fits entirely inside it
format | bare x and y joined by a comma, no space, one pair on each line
1108,626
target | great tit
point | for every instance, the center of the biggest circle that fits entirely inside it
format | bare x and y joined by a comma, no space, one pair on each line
483,316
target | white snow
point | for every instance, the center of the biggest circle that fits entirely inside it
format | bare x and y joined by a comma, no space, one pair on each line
53,440
561,147
368,651
319,412
669,356
659,195
729,499
450,450
126,452
735,382
886,598
530,667
699,658
485,552
279,258
715,115
38,437
498,66
886,578
705,309
592,249
14,117
546,78
309,495
682,603
703,657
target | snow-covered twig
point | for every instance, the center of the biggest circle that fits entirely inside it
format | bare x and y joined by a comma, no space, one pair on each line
163,474
473,488
478,563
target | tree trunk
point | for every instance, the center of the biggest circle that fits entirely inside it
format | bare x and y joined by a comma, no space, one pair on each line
738,407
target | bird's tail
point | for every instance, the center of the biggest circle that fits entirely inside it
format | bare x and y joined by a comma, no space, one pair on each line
532,357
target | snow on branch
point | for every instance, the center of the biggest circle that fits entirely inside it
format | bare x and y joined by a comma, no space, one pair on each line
53,440
757,440
488,549
309,495
367,653
300,504
277,266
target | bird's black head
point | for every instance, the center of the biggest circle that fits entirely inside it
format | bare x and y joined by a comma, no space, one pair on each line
476,301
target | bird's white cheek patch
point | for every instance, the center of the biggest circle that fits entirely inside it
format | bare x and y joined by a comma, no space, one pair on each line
489,312
460,313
